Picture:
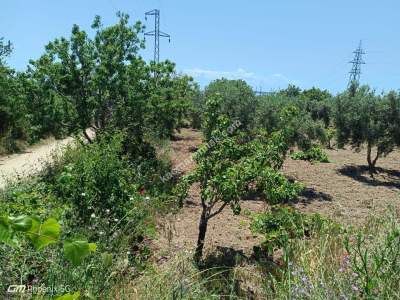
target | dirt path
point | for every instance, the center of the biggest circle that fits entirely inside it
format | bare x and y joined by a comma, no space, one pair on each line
30,161
341,189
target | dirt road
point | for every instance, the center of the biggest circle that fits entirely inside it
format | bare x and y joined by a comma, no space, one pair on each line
30,161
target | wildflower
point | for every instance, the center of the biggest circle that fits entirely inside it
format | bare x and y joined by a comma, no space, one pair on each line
116,220
83,194
147,198
302,291
354,288
101,232
341,269
93,216
107,211
128,252
142,191
304,278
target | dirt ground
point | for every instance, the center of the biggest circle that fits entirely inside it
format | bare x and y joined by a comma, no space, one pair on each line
33,159
341,189
29,161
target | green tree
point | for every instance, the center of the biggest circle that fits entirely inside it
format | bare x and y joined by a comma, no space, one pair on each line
91,75
365,119
170,97
228,168
238,100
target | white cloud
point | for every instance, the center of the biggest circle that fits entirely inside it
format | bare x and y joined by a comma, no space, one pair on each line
270,81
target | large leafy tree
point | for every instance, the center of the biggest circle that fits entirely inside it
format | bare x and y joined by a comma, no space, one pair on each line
170,97
238,100
366,119
13,111
91,75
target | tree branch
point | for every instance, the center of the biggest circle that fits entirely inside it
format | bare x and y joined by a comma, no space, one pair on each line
218,211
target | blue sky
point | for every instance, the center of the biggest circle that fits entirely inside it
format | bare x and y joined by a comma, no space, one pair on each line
267,43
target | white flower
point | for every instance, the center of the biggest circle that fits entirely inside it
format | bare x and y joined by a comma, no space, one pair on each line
93,215
131,198
83,194
116,220
107,211
128,252
147,198
101,232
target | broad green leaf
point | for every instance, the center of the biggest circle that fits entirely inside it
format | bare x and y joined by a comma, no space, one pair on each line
92,247
44,234
6,236
69,296
76,251
107,259
21,223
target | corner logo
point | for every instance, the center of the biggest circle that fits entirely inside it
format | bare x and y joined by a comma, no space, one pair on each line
16,289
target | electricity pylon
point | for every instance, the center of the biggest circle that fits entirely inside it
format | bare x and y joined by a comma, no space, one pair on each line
156,33
355,72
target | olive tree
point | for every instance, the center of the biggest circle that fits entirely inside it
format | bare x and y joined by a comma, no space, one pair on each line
238,100
366,119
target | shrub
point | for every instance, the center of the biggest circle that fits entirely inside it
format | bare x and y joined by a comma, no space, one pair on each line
284,223
313,154
100,181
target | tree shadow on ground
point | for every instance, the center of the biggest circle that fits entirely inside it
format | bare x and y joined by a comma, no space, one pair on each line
311,194
220,264
386,177
307,196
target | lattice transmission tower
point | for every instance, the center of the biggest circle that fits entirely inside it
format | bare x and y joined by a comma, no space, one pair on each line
157,33
355,72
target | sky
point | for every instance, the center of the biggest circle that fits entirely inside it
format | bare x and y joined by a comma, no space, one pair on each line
270,44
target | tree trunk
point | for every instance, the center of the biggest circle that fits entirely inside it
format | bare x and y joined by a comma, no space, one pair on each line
202,235
87,136
372,162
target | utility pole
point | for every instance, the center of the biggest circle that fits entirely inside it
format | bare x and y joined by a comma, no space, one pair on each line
259,92
356,65
156,33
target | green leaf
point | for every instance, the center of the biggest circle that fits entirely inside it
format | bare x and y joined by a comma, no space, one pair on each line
21,223
69,296
44,234
7,236
92,247
107,259
76,251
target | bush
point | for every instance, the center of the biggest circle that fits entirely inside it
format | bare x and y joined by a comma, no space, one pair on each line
100,181
284,223
313,154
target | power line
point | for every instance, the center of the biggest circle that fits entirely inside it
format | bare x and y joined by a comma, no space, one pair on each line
260,92
355,72
157,33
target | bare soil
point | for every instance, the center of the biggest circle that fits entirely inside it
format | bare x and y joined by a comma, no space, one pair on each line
341,189
33,159
29,161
